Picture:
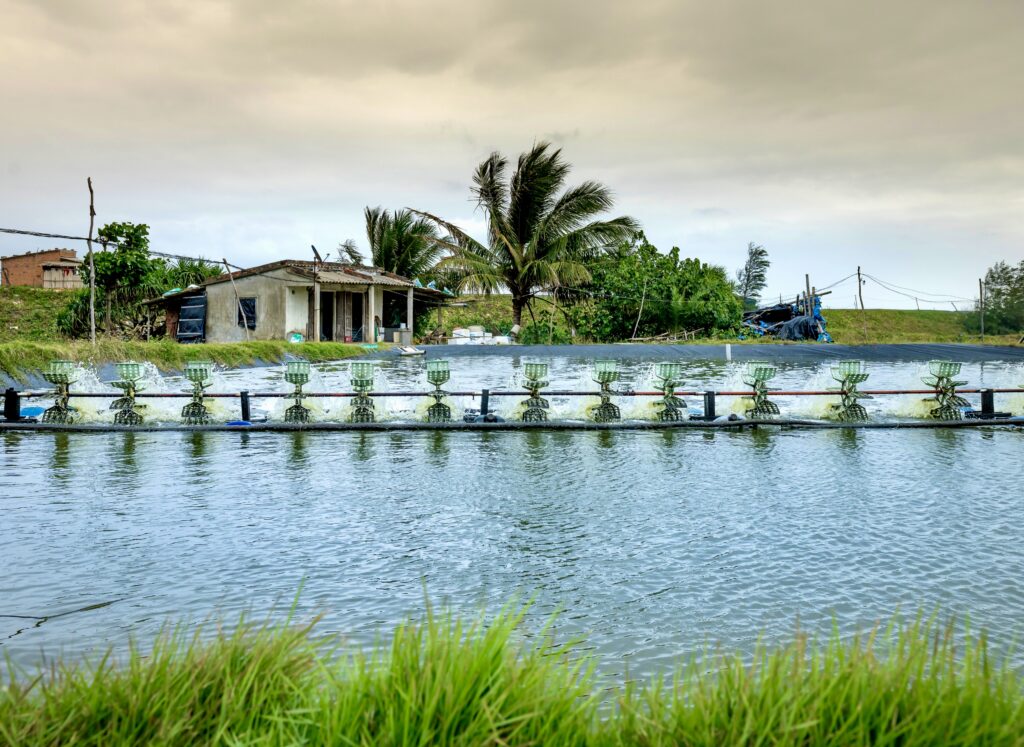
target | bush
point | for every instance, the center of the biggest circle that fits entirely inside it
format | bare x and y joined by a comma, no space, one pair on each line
638,288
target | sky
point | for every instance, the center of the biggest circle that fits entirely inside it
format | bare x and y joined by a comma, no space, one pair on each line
883,134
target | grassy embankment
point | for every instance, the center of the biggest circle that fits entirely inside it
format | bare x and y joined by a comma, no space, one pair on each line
441,682
17,359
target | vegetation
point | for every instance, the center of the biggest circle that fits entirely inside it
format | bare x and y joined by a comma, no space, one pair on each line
1004,301
30,313
871,326
19,359
636,291
752,278
449,683
126,276
848,326
403,243
537,238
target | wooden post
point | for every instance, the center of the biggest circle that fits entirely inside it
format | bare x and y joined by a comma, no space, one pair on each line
245,319
807,297
860,293
92,267
981,306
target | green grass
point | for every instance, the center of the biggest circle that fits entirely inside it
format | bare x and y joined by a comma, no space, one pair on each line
17,359
30,313
853,327
449,683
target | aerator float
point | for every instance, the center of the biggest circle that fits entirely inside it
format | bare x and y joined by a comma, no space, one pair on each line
127,411
200,373
849,374
362,384
297,374
62,375
948,404
535,379
757,376
438,374
670,376
606,373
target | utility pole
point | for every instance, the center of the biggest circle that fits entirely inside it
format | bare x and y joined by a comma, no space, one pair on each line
860,293
92,267
981,305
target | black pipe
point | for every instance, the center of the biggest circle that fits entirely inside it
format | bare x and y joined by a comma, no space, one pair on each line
12,406
988,403
246,412
709,406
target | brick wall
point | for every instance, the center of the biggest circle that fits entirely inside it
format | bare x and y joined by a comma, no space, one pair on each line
27,269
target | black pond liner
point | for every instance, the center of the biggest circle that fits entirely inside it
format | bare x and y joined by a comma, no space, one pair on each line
806,353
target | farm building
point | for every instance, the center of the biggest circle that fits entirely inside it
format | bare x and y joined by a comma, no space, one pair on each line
299,300
56,269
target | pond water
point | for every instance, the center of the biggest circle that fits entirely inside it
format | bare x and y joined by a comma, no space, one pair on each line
649,543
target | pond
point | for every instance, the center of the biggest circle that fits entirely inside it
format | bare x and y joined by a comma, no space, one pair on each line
649,544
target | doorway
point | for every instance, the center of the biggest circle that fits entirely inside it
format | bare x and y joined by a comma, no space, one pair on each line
357,317
326,316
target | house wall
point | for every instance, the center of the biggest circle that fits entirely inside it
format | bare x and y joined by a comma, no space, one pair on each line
62,278
296,310
271,308
27,269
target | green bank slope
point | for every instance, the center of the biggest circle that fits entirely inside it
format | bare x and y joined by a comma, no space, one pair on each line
18,359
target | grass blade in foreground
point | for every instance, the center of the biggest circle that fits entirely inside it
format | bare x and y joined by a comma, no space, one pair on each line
445,681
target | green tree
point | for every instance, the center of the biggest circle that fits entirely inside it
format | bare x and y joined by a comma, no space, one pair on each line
538,236
637,289
752,278
126,275
402,242
119,273
1004,300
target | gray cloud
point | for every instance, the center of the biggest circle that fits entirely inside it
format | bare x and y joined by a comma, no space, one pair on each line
878,127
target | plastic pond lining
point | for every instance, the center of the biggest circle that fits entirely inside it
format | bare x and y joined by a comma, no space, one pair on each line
807,353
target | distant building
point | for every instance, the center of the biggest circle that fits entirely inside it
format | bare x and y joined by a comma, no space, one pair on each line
55,269
278,301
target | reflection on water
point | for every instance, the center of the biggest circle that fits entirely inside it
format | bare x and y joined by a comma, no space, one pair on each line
650,543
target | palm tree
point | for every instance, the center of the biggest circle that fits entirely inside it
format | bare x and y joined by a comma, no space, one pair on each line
402,243
537,239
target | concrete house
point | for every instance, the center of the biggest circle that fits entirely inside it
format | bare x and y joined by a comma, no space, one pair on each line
296,299
56,269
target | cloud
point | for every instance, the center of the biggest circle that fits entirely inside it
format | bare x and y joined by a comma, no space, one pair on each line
799,121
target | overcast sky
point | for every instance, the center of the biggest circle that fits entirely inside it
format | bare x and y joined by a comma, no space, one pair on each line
886,134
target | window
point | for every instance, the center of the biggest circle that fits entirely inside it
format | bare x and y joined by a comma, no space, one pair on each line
247,306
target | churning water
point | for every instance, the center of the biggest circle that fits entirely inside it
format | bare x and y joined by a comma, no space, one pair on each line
649,543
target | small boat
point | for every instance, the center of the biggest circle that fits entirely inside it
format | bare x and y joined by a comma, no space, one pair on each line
410,350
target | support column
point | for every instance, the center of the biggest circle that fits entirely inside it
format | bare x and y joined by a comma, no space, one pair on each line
370,327
316,312
409,313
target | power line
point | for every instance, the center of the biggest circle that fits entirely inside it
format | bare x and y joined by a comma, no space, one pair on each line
165,255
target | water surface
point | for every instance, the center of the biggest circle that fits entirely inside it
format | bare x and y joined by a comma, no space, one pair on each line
650,543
